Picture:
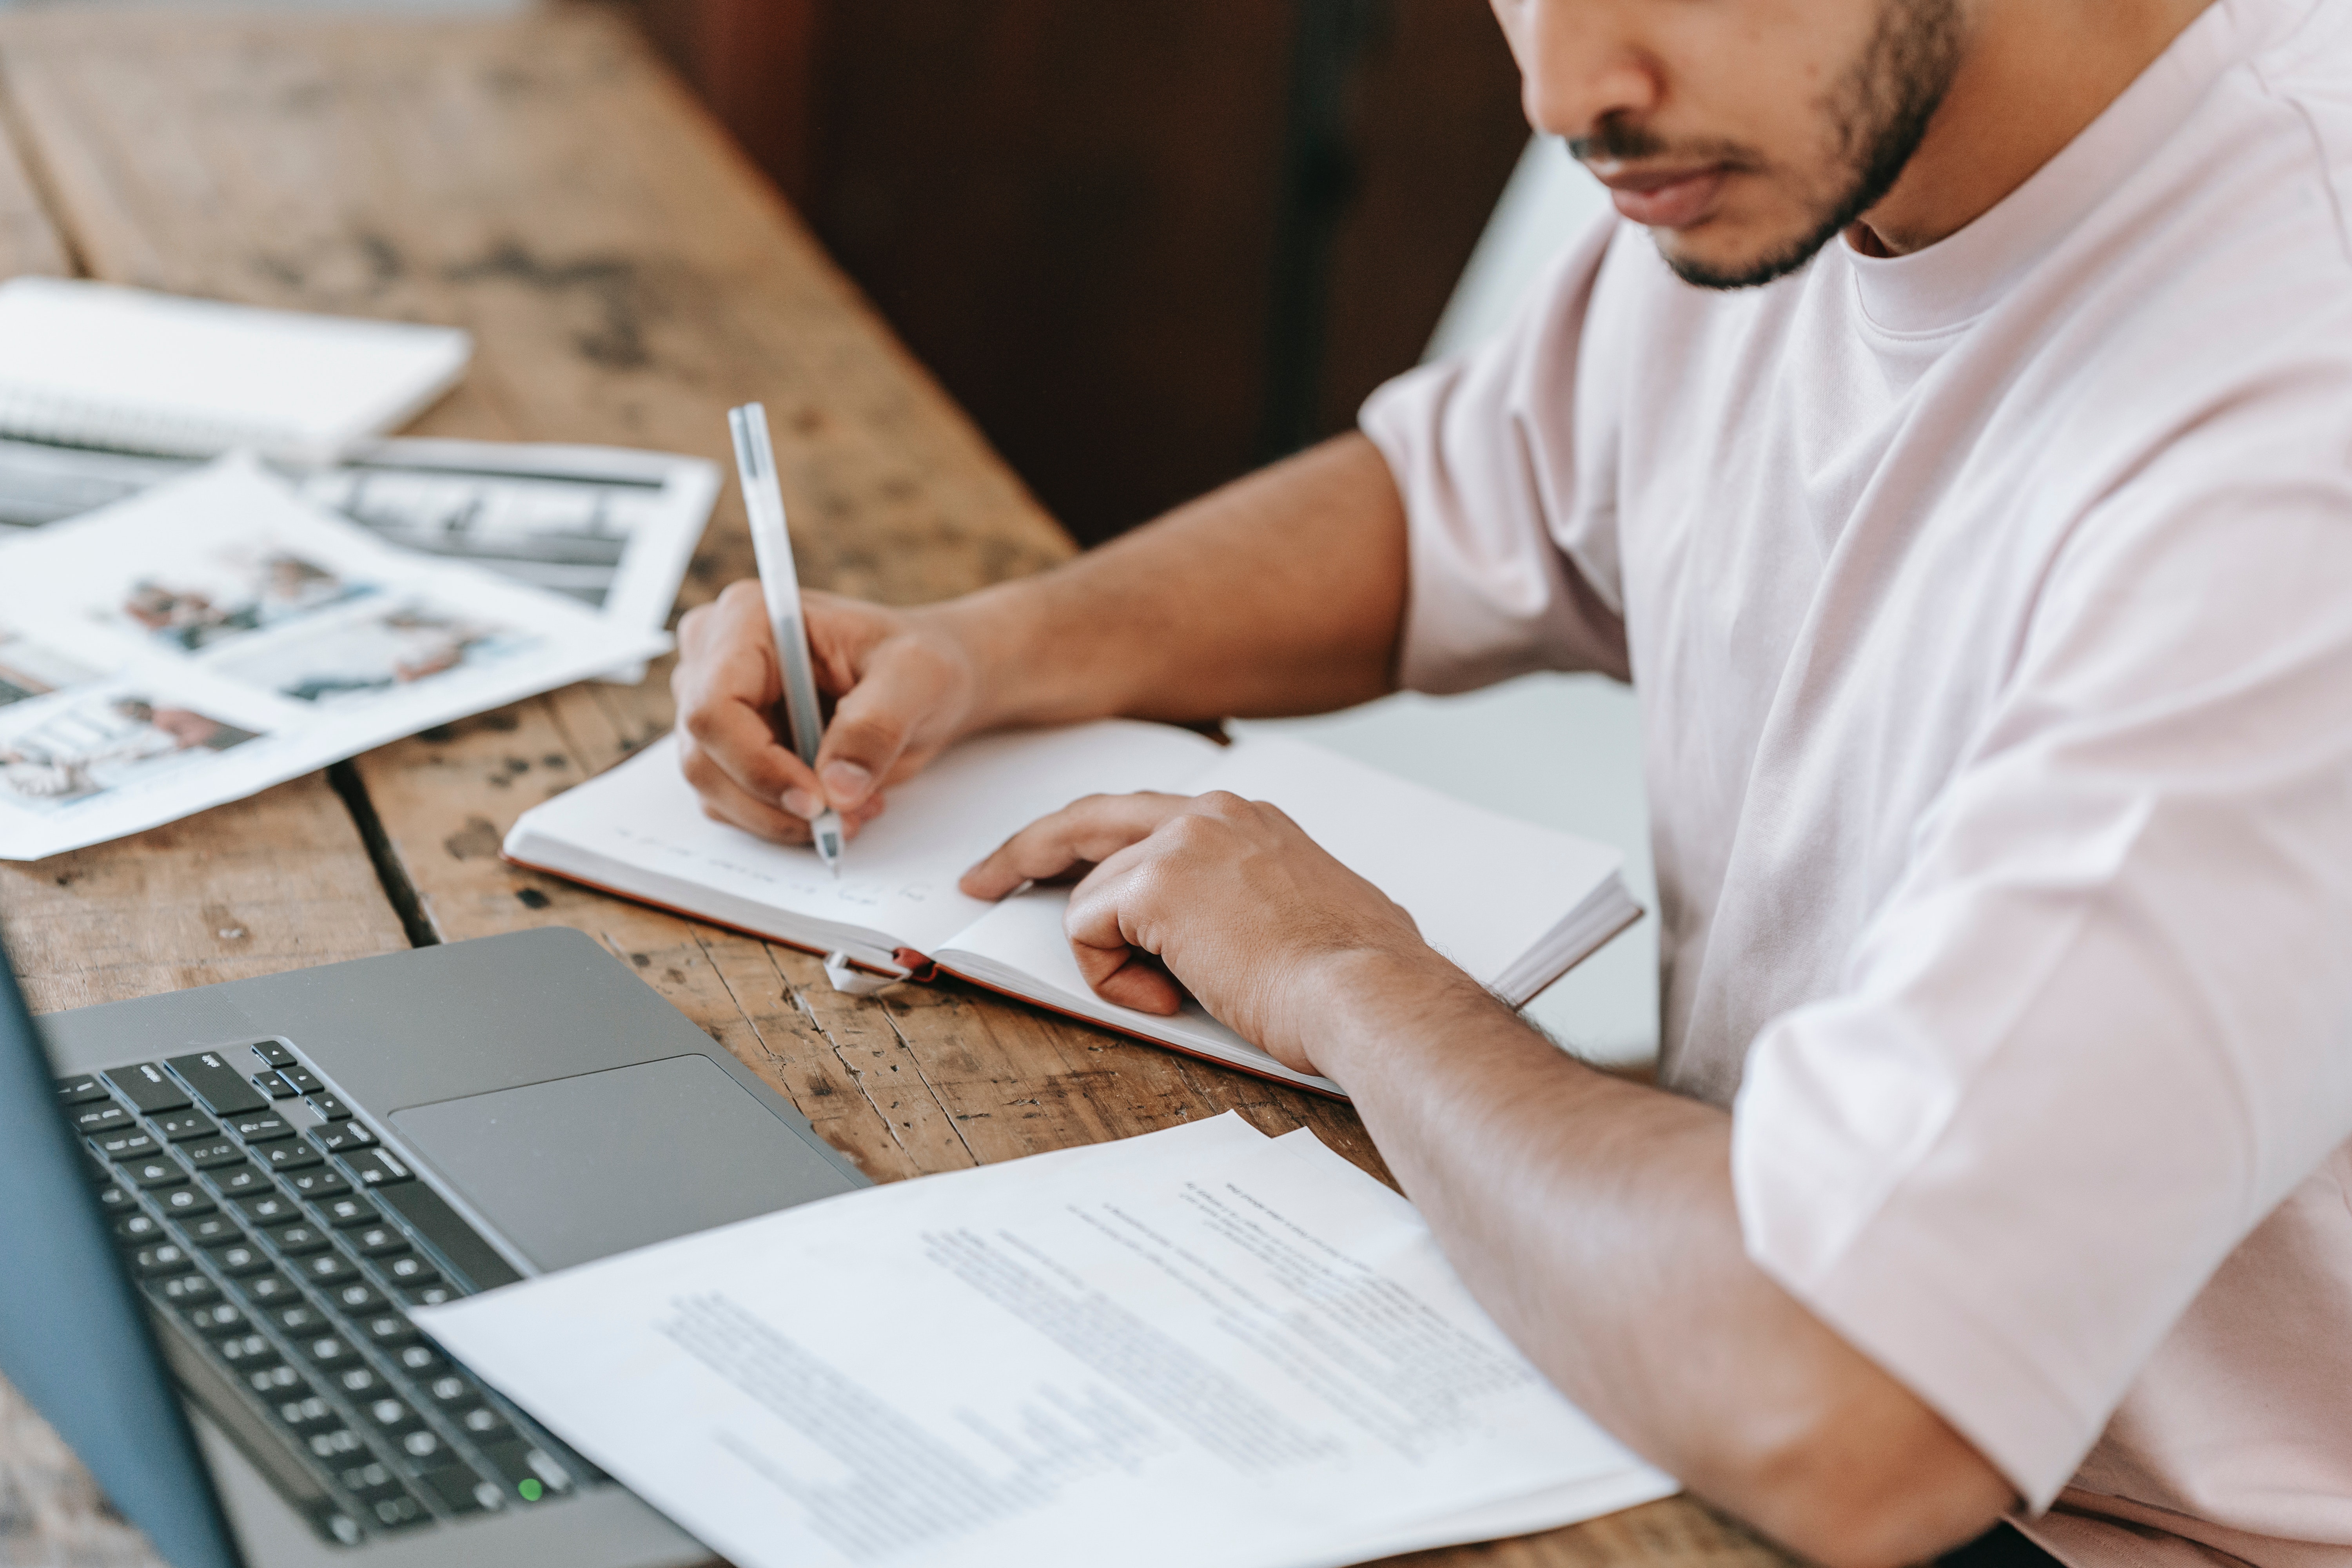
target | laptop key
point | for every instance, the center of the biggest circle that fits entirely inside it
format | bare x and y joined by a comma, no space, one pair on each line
460,1490
269,1290
139,1229
80,1087
180,1126
132,1142
529,1473
305,1413
272,1085
211,1230
165,1257
185,1289
402,1512
221,1086
425,1450
213,1154
288,1156
272,1382
420,1360
242,1351
319,1184
328,1350
388,1328
342,1137
379,1241
242,1181
298,1240
484,1424
271,1208
301,1079
372,1479
361,1382
328,1269
357,1297
376,1168
114,1199
431,1295
345,1213
334,1444
186,1203
301,1318
100,1116
217,1319
411,1269
272,1054
155,1171
240,1258
145,1087
328,1108
392,1415
259,1126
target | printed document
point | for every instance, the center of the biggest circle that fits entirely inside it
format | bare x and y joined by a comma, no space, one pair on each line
611,527
1201,1345
217,635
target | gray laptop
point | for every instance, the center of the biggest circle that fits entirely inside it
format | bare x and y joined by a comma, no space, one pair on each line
217,1208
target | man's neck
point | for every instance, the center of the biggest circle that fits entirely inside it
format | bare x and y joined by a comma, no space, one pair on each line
2035,74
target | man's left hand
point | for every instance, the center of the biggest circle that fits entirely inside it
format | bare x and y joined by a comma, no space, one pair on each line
1226,897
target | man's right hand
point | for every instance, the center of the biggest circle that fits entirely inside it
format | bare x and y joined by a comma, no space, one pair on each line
901,688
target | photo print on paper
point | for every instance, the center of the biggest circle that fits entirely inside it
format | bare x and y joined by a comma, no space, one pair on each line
229,594
377,653
103,741
30,670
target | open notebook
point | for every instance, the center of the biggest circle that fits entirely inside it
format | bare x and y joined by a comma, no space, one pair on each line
97,365
1516,905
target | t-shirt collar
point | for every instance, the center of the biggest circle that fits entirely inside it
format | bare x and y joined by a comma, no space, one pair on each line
1958,279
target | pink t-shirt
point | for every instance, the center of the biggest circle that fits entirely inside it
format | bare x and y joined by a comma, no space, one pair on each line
1991,612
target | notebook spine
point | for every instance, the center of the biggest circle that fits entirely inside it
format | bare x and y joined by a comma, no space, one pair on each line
37,414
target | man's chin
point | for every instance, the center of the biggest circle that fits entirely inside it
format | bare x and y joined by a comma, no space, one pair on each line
1716,255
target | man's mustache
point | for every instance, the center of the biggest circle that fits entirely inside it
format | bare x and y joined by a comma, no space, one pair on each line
1616,140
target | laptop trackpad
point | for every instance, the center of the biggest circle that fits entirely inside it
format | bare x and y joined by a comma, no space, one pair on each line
582,1167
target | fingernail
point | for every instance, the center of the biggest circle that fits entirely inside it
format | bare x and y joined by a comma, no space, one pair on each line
802,803
845,783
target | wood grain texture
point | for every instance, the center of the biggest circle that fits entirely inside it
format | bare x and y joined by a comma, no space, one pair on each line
627,277
29,241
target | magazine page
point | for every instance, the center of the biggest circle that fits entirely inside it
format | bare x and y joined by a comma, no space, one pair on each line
216,634
607,526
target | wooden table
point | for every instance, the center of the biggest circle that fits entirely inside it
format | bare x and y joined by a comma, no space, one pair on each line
627,277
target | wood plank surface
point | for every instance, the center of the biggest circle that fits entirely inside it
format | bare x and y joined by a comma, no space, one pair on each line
627,277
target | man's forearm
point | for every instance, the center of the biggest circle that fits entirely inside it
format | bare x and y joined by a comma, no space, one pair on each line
1594,1218
1281,592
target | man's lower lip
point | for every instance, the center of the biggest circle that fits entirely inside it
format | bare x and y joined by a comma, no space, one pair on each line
1676,206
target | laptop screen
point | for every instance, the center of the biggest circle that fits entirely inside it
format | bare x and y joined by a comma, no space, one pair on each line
74,1338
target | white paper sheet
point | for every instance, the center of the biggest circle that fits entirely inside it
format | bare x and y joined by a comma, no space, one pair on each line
608,526
1197,1346
640,829
216,635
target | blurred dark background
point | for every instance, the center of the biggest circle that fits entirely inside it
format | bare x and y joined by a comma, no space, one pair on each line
1149,244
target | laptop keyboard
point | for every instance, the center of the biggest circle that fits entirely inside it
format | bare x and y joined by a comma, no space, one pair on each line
281,1246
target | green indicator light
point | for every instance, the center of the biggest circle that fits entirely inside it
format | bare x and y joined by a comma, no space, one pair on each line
531,1490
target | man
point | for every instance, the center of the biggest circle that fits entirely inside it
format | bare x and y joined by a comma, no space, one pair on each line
1954,446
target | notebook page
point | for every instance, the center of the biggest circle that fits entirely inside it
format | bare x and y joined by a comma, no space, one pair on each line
898,874
1483,888
124,367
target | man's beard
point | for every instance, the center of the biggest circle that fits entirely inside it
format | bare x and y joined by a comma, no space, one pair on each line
1878,114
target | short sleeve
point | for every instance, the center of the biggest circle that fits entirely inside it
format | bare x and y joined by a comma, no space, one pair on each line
1502,459
2103,1025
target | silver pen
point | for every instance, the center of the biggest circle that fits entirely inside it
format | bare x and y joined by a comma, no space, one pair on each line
780,584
